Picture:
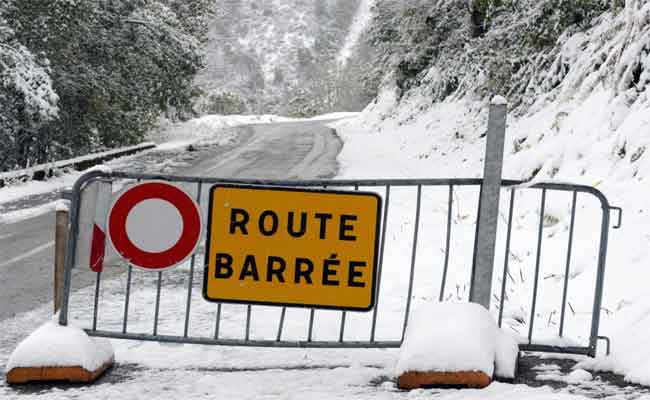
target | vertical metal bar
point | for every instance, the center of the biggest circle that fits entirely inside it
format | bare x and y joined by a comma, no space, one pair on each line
127,298
342,329
413,257
190,284
486,231
537,264
188,304
128,295
96,300
157,306
450,204
281,325
248,322
311,325
381,263
217,322
507,257
568,263
344,313
600,279
70,253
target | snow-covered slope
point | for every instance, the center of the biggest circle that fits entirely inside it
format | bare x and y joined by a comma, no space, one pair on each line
361,20
592,126
261,51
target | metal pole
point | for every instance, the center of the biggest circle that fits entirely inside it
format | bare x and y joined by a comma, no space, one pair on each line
60,244
486,230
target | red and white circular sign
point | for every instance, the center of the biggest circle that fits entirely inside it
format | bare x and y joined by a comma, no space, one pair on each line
154,225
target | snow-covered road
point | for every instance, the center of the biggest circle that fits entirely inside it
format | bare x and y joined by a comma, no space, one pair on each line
153,370
281,150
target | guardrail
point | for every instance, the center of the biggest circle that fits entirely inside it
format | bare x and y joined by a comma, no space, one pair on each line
43,171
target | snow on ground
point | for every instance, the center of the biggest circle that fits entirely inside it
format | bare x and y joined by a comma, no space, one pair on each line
568,142
588,132
164,371
26,213
575,377
177,135
445,143
170,138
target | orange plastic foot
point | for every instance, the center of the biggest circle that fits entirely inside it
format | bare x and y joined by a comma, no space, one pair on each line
417,380
21,376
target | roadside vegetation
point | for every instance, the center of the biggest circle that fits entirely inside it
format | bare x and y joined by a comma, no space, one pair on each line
82,76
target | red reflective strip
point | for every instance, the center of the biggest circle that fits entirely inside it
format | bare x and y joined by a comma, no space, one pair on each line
97,249
168,258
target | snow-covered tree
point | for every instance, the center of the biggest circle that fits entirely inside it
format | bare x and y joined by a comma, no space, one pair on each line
27,101
115,66
272,53
456,47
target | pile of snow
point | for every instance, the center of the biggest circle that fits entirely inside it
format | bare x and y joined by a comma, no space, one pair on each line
576,377
332,116
215,128
53,345
211,127
630,351
12,217
592,128
456,337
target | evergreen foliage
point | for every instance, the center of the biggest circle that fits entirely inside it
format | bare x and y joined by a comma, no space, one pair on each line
456,47
115,66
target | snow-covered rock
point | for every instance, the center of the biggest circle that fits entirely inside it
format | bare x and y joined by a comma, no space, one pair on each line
577,376
53,345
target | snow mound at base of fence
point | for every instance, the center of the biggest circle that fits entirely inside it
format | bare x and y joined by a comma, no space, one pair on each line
630,351
506,356
53,345
456,337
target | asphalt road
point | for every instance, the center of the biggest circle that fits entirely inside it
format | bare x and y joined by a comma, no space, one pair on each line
282,151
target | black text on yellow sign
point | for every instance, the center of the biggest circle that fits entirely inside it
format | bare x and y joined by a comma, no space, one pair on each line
292,247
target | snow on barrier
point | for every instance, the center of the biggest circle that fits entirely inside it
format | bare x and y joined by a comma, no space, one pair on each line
43,171
59,353
455,344
362,255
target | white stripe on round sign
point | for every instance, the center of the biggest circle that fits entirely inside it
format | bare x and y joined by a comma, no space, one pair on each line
154,225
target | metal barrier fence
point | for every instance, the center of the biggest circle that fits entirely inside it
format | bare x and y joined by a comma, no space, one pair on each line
214,322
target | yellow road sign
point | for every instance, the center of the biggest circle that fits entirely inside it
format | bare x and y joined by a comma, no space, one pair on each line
292,247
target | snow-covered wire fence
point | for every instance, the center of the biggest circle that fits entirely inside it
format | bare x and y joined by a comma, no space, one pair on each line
418,222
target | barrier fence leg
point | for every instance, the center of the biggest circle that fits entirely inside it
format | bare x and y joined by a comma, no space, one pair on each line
33,363
60,245
486,226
